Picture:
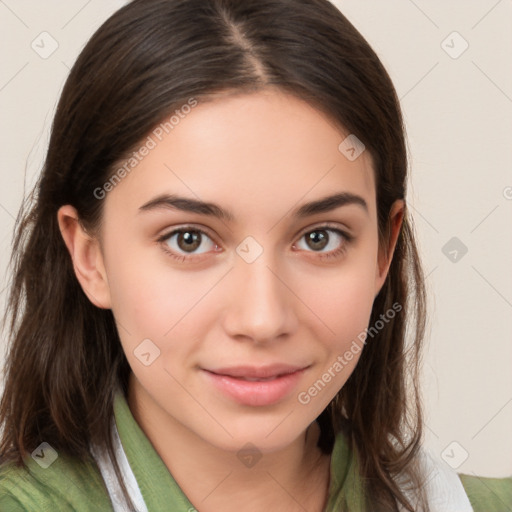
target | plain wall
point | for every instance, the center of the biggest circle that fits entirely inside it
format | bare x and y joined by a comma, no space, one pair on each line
458,111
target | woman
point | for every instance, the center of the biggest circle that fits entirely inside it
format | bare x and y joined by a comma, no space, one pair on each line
219,257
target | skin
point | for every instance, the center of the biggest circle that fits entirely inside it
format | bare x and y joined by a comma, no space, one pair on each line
261,156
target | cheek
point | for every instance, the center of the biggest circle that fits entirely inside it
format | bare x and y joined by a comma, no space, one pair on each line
346,311
148,296
168,306
343,301
343,297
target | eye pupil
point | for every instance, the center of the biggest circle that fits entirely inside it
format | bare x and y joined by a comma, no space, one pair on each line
319,238
191,239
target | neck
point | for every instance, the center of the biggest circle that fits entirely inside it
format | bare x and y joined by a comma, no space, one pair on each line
295,477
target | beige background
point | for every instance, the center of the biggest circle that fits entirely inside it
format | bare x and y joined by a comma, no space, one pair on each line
458,110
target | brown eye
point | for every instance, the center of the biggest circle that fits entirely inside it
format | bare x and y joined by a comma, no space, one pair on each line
325,242
187,241
317,239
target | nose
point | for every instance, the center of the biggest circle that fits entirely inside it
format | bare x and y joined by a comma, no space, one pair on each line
261,305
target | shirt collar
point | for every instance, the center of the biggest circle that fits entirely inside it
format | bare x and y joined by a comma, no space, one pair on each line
157,486
160,490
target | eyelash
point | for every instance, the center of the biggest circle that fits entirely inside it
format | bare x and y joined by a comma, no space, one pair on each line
347,239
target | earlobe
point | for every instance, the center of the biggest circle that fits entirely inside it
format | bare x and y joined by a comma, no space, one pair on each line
86,255
385,255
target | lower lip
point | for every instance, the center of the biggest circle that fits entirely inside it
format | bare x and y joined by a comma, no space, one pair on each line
256,393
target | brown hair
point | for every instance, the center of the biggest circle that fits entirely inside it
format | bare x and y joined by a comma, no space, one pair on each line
146,60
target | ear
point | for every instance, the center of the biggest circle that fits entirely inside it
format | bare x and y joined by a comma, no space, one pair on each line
87,258
385,255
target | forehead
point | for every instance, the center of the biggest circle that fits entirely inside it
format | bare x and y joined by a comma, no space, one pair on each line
251,153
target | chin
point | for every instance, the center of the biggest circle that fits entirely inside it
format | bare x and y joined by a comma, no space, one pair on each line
267,436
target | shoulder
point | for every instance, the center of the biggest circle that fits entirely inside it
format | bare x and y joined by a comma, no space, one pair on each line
59,483
449,491
488,494
442,485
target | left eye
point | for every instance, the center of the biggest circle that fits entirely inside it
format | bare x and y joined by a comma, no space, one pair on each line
188,241
323,238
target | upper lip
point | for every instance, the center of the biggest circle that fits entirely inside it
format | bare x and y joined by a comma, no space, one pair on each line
257,372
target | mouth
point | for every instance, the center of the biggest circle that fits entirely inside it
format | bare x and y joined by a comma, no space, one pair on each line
249,379
256,386
257,372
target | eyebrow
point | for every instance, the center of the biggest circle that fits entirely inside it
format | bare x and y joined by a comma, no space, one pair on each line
325,204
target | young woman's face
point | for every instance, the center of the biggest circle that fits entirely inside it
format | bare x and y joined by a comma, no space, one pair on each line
212,309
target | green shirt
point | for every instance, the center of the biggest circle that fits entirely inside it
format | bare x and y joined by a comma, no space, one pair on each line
69,485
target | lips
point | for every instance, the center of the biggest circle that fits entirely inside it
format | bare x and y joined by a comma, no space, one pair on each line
256,386
253,373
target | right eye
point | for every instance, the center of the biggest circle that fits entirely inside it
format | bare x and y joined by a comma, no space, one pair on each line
184,242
